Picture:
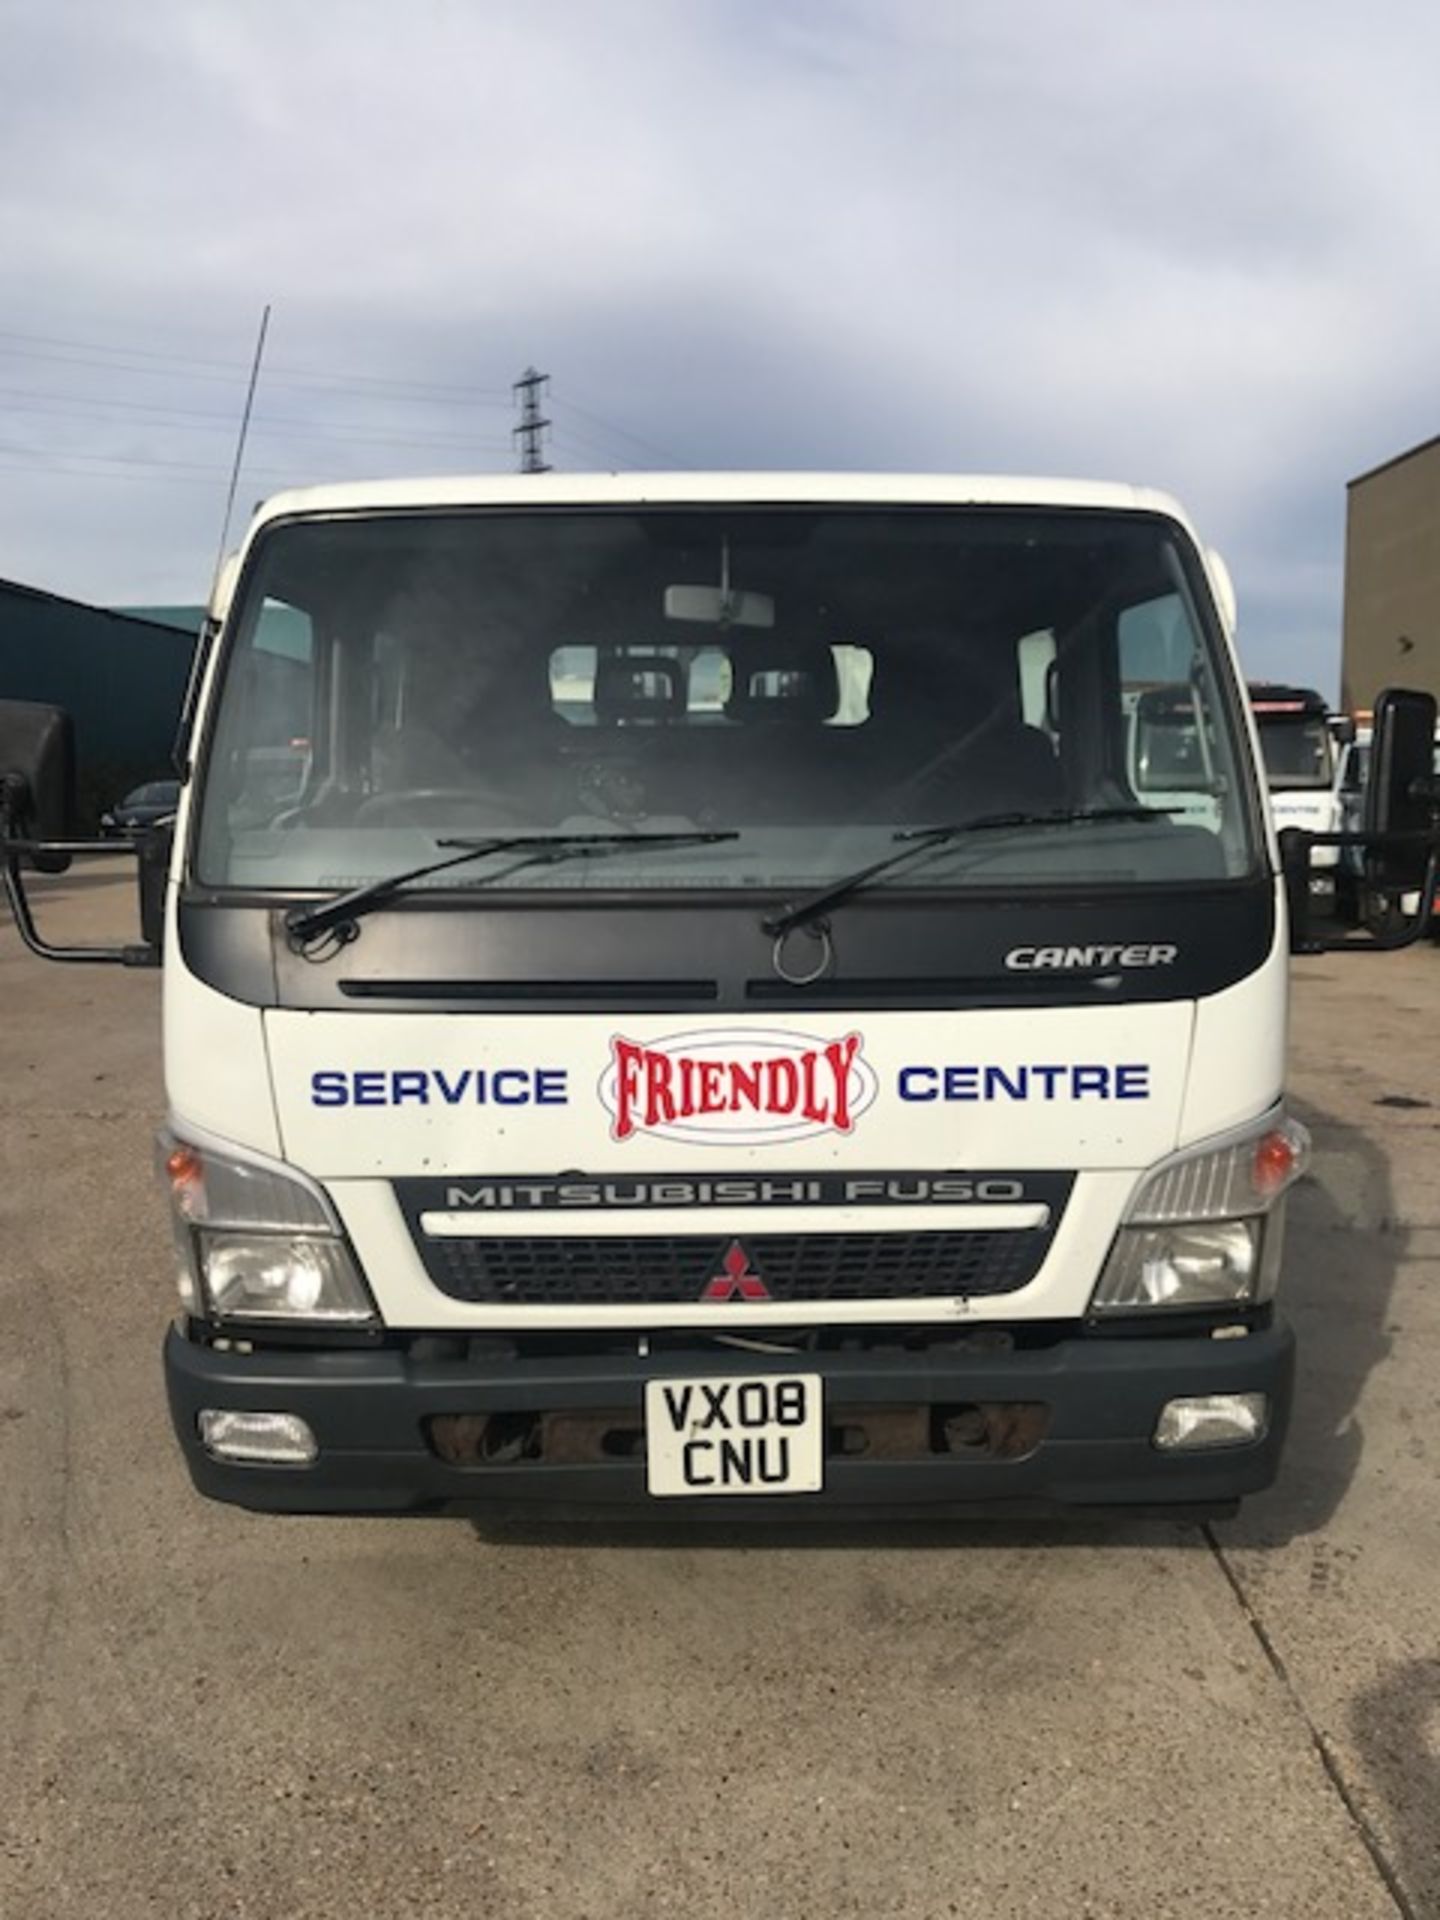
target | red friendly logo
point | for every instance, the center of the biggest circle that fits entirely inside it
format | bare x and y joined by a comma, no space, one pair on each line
737,1279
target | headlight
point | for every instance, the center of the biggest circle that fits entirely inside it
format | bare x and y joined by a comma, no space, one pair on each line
1205,1227
276,1276
257,1241
1211,1262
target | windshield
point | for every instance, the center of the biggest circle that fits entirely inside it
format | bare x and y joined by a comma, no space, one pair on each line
813,680
1299,751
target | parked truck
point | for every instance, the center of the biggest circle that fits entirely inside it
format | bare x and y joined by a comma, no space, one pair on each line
676,993
1298,745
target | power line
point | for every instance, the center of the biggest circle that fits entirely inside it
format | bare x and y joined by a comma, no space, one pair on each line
178,472
609,450
116,468
589,449
109,357
602,439
199,420
52,471
140,462
359,386
623,433
324,374
572,454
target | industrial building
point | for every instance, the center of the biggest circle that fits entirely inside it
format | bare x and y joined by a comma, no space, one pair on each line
121,679
1392,578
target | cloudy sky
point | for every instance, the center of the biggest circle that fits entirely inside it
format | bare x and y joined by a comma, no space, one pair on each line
1194,245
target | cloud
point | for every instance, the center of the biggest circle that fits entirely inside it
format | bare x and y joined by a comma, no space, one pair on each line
1191,245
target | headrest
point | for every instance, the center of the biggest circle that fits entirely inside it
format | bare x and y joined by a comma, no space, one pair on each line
775,679
637,686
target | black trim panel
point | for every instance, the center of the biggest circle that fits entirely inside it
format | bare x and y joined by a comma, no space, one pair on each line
663,954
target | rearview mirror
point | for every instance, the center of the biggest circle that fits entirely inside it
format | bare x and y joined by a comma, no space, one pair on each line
37,777
719,607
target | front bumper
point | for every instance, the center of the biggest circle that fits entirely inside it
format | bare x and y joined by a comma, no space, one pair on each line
370,1413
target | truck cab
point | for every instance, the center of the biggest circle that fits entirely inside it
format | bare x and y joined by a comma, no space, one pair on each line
1299,749
714,990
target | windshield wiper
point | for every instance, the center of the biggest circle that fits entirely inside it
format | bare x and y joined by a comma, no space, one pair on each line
305,924
922,840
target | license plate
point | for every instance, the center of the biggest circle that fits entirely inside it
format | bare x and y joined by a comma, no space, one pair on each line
759,1435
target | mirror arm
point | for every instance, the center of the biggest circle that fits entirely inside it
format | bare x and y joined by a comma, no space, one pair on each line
140,955
1300,840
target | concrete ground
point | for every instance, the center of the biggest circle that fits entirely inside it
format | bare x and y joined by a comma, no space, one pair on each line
205,1713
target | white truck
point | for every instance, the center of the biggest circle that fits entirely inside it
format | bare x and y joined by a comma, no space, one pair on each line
672,994
1298,748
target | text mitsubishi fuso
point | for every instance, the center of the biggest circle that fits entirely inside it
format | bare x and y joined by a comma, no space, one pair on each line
752,988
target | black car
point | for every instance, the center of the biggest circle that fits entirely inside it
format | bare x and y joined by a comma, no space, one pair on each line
142,807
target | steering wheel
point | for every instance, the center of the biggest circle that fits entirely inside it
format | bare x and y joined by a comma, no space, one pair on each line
402,807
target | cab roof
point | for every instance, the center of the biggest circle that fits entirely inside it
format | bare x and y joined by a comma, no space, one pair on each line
585,489
454,491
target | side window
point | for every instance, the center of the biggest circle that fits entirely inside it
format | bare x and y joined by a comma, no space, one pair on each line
1155,643
631,686
279,694
696,686
282,654
708,681
854,674
572,685
389,683
1034,663
1168,705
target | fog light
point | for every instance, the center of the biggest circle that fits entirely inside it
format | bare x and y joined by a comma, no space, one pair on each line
257,1439
1212,1420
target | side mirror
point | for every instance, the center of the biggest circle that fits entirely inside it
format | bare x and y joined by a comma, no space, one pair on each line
37,810
37,777
153,853
1400,795
1395,859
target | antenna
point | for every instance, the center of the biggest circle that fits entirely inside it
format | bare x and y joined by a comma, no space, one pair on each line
240,445
531,431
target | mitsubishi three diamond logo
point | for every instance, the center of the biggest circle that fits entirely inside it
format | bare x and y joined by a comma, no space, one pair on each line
738,1281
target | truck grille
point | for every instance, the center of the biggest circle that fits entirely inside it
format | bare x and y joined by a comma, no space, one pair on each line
610,1270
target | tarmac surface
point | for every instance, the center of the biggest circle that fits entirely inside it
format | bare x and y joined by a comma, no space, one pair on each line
207,1713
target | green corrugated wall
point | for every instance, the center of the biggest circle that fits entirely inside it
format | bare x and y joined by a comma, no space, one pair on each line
121,679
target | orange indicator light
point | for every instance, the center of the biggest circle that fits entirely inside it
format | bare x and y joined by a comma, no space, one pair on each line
1274,1162
184,1167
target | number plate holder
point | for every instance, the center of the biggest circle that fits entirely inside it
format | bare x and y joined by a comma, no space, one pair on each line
732,1434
